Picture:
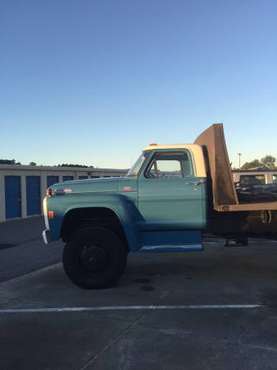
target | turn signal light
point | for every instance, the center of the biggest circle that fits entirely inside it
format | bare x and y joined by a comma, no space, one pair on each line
50,214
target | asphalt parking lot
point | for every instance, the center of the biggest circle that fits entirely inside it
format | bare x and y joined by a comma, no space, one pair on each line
22,249
211,310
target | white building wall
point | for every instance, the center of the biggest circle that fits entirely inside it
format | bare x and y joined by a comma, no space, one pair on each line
43,186
23,196
2,198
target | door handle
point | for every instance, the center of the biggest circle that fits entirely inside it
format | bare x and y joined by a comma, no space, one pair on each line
196,183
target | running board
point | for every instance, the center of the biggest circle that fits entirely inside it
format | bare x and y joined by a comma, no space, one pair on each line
171,248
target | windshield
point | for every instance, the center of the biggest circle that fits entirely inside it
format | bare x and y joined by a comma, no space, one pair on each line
134,170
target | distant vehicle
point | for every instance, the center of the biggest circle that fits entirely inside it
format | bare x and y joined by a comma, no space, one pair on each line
255,177
171,195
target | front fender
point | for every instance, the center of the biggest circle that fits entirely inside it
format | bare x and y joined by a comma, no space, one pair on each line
124,209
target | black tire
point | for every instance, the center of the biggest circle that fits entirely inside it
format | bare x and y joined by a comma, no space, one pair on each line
94,258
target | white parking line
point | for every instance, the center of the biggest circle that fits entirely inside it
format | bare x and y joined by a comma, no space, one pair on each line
131,308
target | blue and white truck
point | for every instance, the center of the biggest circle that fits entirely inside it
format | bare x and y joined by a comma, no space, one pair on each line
169,198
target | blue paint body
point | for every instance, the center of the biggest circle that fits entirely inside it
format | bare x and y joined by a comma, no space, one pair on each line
163,241
33,195
176,237
13,196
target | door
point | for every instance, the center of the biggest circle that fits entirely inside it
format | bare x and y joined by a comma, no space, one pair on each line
170,195
52,180
33,195
13,196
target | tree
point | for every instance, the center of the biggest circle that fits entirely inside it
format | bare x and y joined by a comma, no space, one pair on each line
32,164
251,165
73,165
7,161
269,161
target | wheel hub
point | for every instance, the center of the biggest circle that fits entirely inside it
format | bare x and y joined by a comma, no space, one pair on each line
93,258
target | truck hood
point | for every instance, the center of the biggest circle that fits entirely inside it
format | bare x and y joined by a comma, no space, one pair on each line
111,184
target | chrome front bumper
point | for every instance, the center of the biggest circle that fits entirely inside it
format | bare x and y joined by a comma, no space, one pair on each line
46,236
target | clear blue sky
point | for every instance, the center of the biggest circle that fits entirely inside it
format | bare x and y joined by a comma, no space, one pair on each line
94,81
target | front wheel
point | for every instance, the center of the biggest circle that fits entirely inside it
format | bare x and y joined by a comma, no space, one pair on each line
94,258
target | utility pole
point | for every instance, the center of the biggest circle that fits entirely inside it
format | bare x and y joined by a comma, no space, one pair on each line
239,154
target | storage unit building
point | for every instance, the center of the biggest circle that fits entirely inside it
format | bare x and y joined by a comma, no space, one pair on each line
22,188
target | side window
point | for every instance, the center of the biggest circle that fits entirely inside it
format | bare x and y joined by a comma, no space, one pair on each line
169,165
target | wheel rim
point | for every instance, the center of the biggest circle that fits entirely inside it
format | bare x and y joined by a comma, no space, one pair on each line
93,258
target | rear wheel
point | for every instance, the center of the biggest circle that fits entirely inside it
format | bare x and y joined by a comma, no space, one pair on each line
94,258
